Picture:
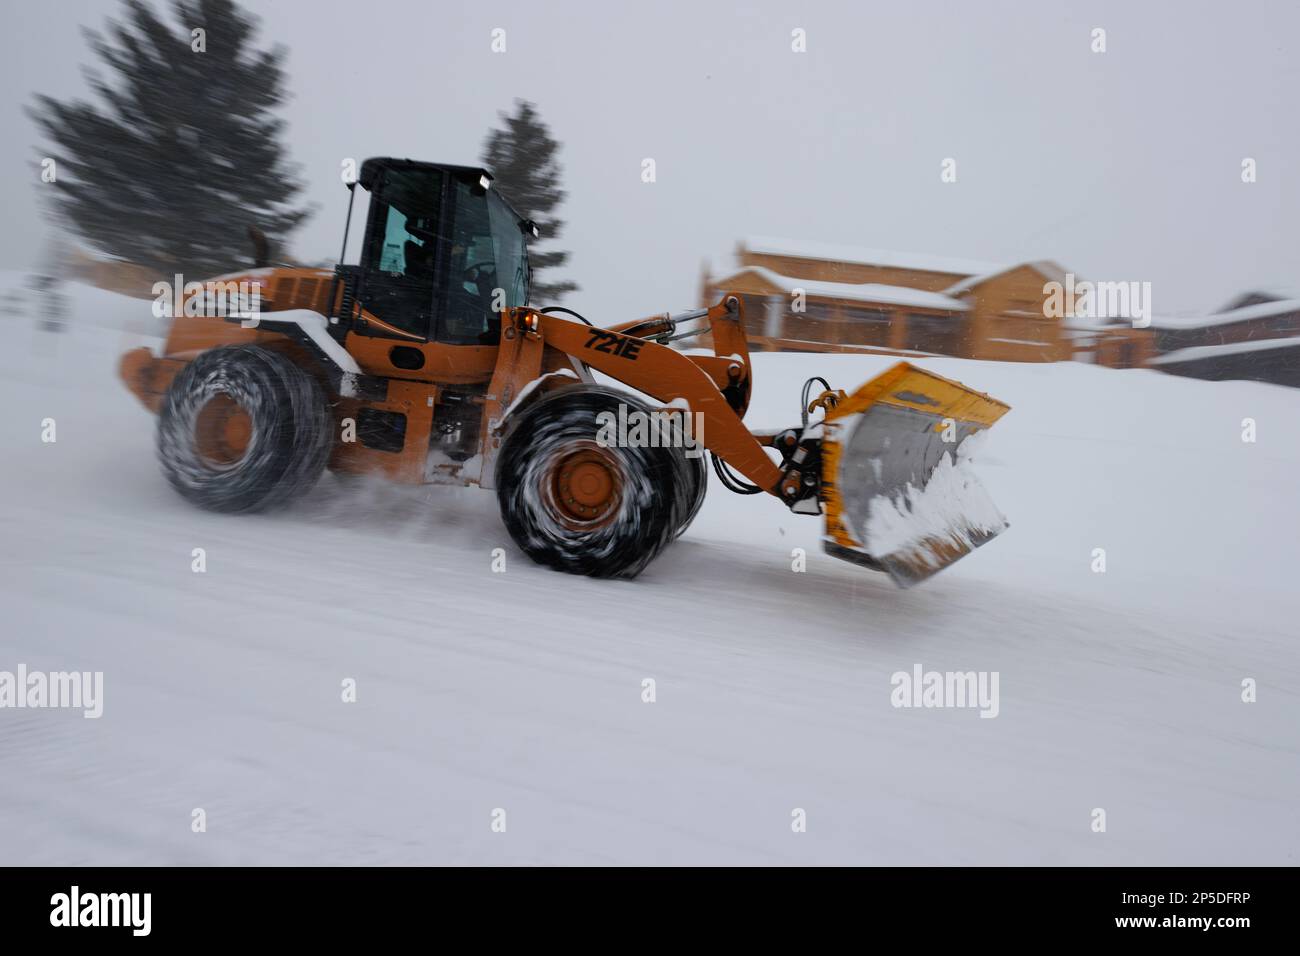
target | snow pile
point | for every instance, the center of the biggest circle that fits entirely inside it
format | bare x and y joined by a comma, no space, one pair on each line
952,511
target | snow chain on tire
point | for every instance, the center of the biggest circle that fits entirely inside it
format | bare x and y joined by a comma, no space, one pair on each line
291,429
655,498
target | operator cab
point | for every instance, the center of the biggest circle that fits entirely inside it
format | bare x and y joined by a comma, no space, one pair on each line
443,253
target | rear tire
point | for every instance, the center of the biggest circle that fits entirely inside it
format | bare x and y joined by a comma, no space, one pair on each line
243,428
578,507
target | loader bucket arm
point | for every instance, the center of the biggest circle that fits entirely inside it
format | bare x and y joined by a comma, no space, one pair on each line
715,386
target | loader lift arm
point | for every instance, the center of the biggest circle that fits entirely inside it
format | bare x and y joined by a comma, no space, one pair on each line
716,386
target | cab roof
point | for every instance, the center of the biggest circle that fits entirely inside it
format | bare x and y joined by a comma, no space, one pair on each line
373,168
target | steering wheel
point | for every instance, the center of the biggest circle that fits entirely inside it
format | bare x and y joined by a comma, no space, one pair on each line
487,266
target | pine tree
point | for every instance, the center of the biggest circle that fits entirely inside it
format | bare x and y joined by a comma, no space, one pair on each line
521,157
183,160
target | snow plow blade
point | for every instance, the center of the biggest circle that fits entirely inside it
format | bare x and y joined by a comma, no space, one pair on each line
898,491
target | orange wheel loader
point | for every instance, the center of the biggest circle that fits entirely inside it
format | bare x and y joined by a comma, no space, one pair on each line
425,362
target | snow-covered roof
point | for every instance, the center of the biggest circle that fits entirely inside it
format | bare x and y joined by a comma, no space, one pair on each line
1266,293
1044,267
1227,348
864,292
1261,311
809,249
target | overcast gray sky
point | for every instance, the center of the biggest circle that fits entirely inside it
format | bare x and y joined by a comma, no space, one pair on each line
1119,165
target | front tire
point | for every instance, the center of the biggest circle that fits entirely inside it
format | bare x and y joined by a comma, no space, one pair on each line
243,428
583,505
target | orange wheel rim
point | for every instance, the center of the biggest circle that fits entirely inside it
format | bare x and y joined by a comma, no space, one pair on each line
222,431
585,487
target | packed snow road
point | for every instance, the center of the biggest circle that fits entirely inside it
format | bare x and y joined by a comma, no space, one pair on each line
523,691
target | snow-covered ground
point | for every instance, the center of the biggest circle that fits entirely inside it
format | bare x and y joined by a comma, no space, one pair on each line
523,690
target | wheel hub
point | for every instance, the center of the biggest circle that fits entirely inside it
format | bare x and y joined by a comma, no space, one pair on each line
222,431
586,487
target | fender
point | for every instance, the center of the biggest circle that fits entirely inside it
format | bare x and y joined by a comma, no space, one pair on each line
311,331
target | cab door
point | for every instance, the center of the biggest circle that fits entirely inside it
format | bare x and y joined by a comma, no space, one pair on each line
401,254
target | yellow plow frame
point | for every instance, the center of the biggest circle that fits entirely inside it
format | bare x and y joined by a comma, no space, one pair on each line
897,492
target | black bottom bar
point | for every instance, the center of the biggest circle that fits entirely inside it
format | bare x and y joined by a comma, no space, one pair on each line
976,906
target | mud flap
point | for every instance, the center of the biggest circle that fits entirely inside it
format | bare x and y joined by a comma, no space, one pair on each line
898,492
